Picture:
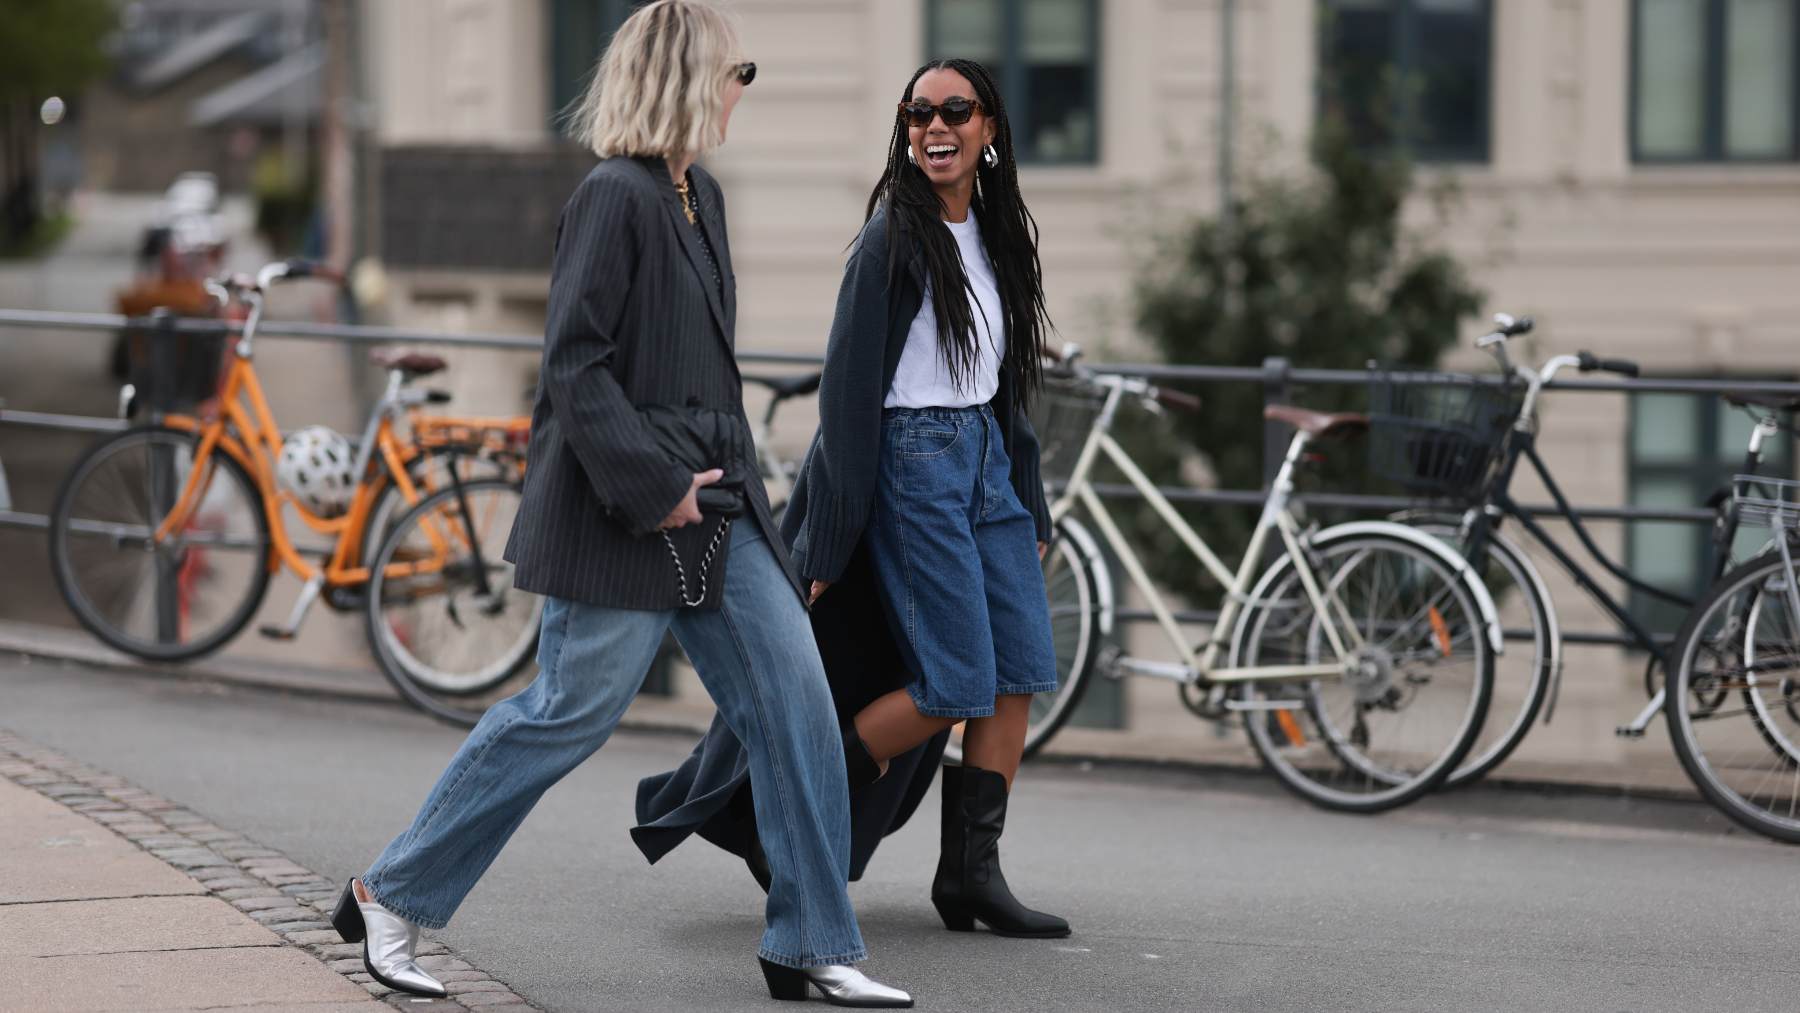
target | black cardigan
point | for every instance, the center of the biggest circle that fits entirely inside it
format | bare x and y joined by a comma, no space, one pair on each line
835,494
830,507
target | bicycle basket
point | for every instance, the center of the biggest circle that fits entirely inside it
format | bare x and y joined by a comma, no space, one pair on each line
1762,501
1063,413
1438,434
171,370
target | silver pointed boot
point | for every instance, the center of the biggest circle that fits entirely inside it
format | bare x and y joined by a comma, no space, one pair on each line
841,985
389,942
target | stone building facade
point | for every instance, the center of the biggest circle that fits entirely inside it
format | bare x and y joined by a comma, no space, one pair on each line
1630,174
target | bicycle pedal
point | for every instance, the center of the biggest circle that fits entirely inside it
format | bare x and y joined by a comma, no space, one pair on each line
1628,732
274,632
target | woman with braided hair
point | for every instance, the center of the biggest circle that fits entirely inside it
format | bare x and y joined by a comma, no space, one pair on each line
919,518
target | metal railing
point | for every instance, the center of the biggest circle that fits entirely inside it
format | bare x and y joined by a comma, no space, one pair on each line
1277,376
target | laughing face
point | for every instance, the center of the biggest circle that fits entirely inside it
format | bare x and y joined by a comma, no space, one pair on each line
948,153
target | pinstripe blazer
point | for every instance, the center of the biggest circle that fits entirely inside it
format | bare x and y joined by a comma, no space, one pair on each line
634,317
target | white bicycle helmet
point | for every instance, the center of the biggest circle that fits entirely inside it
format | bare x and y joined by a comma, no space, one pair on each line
318,467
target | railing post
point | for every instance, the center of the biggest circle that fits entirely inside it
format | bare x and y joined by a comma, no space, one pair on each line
1277,389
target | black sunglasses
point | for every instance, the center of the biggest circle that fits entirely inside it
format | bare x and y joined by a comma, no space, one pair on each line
746,73
955,111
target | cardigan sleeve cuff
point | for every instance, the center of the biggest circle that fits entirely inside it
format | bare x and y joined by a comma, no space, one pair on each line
834,528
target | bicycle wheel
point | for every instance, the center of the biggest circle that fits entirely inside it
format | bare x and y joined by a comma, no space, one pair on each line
1412,704
174,599
1075,606
447,645
1733,703
429,473
1523,673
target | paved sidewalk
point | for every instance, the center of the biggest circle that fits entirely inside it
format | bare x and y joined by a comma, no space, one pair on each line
114,899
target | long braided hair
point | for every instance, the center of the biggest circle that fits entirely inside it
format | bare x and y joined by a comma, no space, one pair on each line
1010,233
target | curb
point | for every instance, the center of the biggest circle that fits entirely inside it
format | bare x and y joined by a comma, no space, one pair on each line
284,897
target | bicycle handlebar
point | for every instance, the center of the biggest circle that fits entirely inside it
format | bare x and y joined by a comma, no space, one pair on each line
299,267
1589,362
1153,396
1508,327
1178,400
784,387
1512,328
230,284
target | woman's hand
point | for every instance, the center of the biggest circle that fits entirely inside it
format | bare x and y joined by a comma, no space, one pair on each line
1043,547
688,510
818,588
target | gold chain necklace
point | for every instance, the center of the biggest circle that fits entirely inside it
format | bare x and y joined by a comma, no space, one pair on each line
687,202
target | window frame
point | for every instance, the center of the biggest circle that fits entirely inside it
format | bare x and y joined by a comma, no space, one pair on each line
1013,90
1712,141
1403,44
609,14
1702,477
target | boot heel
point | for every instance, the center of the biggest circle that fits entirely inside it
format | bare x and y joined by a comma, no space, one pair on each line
956,919
786,983
347,917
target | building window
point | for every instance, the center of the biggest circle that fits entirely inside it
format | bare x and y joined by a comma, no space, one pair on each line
1715,81
1411,74
1683,447
579,32
1044,56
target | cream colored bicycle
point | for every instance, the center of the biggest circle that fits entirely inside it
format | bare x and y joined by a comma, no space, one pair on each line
1360,658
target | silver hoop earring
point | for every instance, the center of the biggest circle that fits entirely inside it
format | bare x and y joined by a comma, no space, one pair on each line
910,157
990,156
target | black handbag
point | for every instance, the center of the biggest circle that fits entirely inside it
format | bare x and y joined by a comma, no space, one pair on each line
701,439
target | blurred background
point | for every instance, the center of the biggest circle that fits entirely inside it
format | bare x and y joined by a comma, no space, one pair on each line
1217,182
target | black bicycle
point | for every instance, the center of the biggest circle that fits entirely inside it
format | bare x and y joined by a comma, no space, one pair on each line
1463,440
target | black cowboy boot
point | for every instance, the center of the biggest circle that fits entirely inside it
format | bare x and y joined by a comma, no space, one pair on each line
970,886
860,769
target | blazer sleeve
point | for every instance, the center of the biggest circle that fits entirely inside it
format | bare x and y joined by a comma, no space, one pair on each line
598,245
850,403
1027,480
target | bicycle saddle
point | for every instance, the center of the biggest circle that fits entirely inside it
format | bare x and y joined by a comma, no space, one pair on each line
789,386
1322,425
413,364
1779,402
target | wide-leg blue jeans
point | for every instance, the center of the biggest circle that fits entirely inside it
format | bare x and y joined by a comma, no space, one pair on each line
757,659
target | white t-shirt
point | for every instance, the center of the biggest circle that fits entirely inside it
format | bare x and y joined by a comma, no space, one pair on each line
922,380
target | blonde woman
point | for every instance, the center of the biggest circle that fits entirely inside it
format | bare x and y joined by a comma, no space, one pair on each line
629,539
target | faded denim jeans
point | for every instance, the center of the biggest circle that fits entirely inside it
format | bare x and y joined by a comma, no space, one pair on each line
757,659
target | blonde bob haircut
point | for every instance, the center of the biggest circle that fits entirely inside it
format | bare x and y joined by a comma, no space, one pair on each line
659,89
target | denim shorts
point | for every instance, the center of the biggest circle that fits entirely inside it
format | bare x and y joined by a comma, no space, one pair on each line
955,554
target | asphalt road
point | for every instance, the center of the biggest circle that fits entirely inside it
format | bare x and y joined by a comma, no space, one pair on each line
1187,891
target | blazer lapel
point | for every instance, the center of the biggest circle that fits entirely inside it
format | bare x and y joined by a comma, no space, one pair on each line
690,244
712,220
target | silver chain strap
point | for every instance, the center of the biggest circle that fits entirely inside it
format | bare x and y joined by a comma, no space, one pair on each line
681,584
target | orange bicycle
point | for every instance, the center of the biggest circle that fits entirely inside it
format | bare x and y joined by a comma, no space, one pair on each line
164,536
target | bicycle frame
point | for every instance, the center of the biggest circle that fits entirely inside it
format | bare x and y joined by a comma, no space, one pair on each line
1497,504
243,426
1202,665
